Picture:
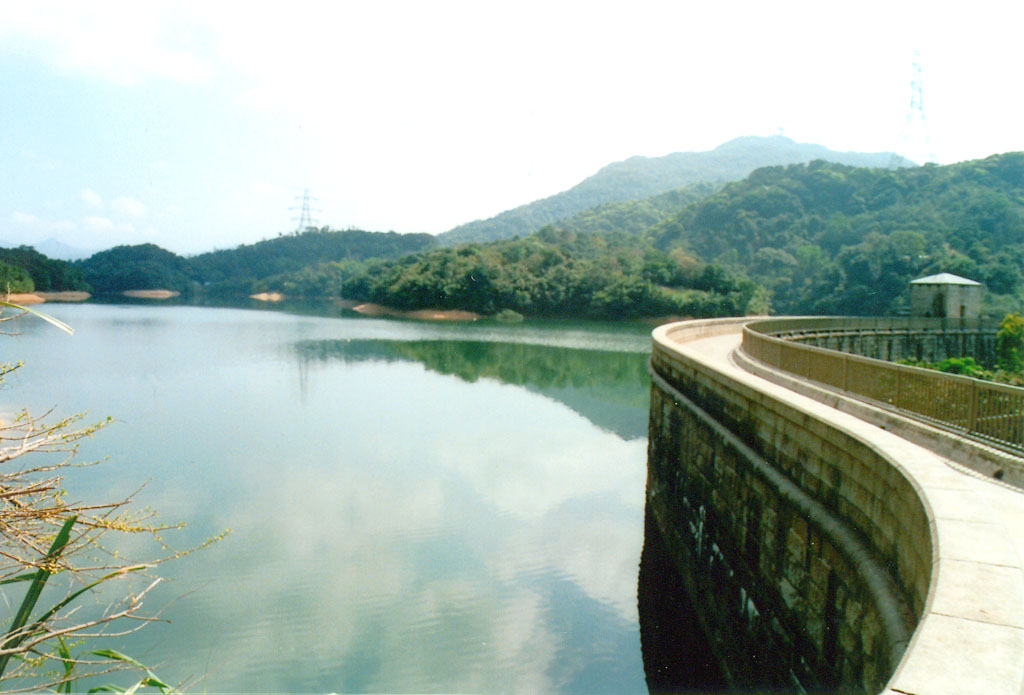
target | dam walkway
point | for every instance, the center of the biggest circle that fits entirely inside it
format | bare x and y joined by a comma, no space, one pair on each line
968,637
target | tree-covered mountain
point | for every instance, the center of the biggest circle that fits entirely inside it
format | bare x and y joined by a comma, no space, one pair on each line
239,270
556,273
23,269
825,238
642,177
817,238
139,267
630,217
636,216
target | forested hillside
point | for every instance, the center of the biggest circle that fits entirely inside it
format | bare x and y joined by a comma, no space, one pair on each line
140,267
23,269
831,239
636,216
238,270
815,238
555,273
642,177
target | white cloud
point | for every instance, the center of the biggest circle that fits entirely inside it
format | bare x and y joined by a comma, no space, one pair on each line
92,198
265,188
30,220
105,232
123,205
122,42
25,218
420,116
127,205
98,223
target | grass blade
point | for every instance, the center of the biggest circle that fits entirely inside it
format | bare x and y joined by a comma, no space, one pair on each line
153,681
118,656
15,635
69,666
26,577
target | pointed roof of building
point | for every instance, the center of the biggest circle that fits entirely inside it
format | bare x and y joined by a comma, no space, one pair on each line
944,279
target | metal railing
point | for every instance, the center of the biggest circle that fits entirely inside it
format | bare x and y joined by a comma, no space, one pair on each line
989,411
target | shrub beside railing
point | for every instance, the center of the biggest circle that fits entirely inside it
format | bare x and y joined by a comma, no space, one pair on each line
990,411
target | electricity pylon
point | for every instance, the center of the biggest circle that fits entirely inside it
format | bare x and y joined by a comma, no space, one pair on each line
305,220
917,145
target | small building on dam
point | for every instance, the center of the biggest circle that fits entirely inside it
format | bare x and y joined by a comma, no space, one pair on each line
945,296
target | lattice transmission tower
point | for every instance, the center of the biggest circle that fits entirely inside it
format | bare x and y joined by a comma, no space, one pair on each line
917,144
305,219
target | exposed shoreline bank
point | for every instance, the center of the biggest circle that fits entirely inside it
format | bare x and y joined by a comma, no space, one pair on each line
371,309
26,298
151,294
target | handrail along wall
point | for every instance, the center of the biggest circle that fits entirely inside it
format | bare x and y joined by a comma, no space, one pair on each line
986,410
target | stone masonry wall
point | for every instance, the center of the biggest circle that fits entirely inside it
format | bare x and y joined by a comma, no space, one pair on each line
809,552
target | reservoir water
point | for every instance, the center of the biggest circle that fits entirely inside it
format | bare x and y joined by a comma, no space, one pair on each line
414,507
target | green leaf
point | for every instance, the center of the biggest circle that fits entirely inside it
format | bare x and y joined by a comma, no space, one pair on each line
149,680
88,587
26,577
118,656
69,666
15,635
155,682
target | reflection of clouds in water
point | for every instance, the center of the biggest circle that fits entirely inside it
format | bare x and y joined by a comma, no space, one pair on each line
600,556
480,626
394,529
529,474
436,560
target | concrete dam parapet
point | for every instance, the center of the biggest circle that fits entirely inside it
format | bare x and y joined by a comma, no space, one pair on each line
824,553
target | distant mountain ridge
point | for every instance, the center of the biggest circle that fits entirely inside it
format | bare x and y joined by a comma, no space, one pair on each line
55,248
642,177
52,248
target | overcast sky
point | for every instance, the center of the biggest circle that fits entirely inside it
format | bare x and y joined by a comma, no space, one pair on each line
197,125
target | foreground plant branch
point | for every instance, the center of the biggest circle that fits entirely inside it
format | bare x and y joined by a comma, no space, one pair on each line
61,576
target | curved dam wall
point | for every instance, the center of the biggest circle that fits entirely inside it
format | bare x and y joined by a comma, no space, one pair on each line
809,552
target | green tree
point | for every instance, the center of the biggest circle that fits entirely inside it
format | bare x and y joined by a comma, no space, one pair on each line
47,274
1010,343
15,279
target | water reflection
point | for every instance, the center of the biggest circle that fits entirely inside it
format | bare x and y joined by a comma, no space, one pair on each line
397,528
456,555
608,388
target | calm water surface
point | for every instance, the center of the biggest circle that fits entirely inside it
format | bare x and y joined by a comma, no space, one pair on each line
414,507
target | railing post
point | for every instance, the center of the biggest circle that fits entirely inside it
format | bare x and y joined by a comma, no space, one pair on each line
846,372
899,385
972,418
